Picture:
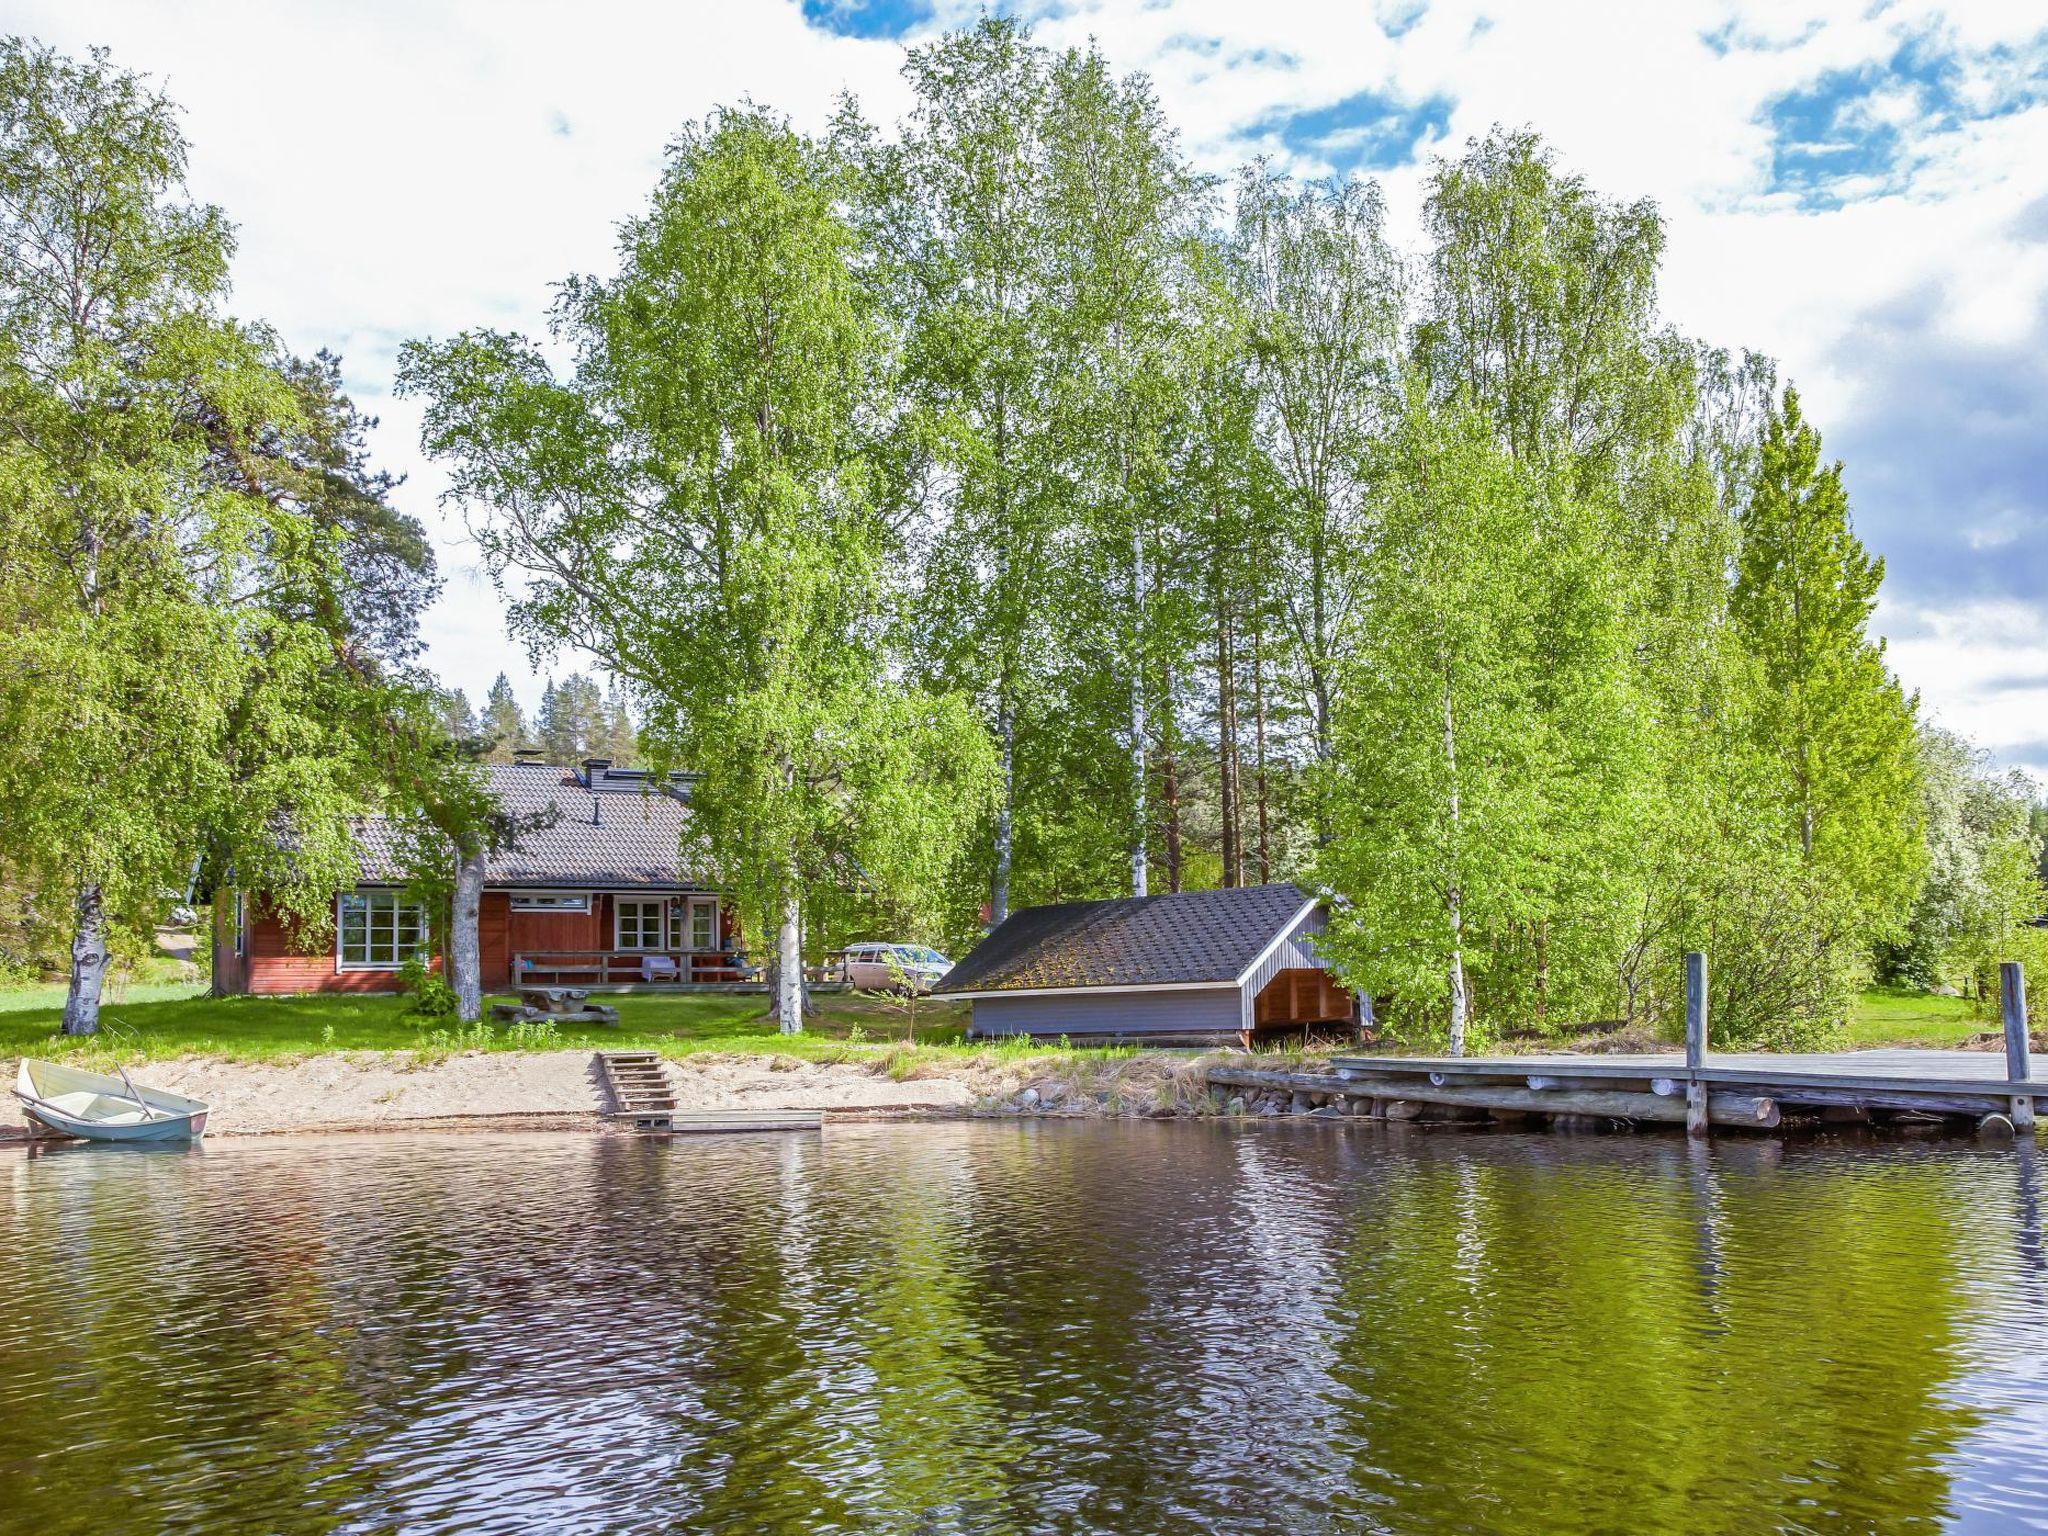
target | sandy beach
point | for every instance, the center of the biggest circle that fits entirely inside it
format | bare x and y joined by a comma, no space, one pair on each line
367,1090
373,1090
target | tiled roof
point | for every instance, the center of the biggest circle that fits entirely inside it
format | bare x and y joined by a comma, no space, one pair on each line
618,836
1190,936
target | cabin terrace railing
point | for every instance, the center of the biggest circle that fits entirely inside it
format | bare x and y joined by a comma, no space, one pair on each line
609,967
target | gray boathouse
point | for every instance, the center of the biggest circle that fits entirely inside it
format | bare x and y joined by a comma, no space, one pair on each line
1193,967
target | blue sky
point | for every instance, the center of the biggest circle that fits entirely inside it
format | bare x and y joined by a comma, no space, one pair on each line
1858,188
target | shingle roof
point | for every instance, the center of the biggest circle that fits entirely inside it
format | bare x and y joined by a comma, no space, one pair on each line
616,837
1190,936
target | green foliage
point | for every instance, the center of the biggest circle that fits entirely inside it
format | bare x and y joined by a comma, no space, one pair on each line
704,506
1983,876
572,723
503,724
204,583
1831,713
427,990
2029,946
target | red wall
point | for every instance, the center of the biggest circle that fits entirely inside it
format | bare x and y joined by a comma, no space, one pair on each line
273,966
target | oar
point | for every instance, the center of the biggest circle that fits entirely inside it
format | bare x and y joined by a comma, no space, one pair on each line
148,1112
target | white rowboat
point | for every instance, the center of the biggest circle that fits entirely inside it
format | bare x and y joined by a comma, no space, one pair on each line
74,1102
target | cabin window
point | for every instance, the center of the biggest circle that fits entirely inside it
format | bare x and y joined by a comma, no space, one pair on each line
241,921
639,924
552,903
703,926
378,931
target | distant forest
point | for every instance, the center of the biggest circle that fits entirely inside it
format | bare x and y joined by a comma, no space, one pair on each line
577,719
993,509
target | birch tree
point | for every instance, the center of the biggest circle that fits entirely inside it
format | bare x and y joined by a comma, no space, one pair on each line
180,662
702,506
1440,743
956,207
1327,305
1120,197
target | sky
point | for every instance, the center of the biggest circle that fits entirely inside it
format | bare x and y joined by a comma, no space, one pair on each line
1859,189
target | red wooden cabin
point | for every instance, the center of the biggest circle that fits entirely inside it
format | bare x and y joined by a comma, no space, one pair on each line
602,896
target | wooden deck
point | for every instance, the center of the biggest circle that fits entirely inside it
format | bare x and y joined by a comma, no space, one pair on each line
1739,1089
1965,1072
1736,1089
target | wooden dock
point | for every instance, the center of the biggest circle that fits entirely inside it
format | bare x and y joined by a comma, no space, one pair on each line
1749,1090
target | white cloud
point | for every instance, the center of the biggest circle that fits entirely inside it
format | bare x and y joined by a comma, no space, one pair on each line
404,169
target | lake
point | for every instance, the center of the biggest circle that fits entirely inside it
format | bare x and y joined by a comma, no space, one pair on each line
1025,1326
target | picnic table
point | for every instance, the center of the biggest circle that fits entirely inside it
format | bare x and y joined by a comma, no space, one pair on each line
564,1005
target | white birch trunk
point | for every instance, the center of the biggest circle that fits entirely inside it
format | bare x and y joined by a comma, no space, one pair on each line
1454,896
789,966
999,891
465,953
88,963
1138,827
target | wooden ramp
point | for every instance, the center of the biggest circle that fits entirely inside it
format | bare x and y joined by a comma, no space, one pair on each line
702,1121
640,1093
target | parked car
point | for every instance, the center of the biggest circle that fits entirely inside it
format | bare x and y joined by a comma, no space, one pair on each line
895,967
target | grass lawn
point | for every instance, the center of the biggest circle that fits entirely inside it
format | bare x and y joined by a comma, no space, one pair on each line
148,1027
1892,1016
156,1020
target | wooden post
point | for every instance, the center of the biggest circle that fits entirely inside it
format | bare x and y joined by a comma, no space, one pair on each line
2013,985
1695,1043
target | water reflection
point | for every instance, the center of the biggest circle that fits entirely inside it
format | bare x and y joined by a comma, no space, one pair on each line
1025,1327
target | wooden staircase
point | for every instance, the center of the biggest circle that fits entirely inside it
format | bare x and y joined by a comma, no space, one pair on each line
639,1088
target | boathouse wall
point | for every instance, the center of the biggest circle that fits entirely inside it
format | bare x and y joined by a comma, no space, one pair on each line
1207,1011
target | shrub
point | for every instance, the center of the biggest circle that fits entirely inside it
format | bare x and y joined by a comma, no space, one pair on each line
2029,946
432,997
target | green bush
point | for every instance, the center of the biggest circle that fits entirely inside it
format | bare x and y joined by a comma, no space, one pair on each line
2029,946
431,996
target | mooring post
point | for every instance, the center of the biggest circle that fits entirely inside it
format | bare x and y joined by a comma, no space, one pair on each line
2012,979
1695,1043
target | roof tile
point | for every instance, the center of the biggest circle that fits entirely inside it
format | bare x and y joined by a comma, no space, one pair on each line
1188,936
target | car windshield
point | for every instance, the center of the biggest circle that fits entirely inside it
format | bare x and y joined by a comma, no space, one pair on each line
917,954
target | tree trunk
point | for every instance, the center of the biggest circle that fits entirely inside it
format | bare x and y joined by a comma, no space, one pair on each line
1259,745
1169,784
88,963
1226,746
1139,825
789,966
999,886
1454,896
465,945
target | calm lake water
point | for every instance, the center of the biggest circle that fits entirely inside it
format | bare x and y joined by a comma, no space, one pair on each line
1025,1327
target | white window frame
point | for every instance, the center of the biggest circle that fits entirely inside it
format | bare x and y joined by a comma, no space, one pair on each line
371,902
619,906
239,916
707,905
547,901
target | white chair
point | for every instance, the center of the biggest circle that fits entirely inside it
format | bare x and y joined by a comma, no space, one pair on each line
657,968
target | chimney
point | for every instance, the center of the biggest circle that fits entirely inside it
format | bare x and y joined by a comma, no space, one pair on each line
593,770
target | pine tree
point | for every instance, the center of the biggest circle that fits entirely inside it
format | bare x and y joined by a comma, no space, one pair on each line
457,715
572,724
1827,708
503,724
621,739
